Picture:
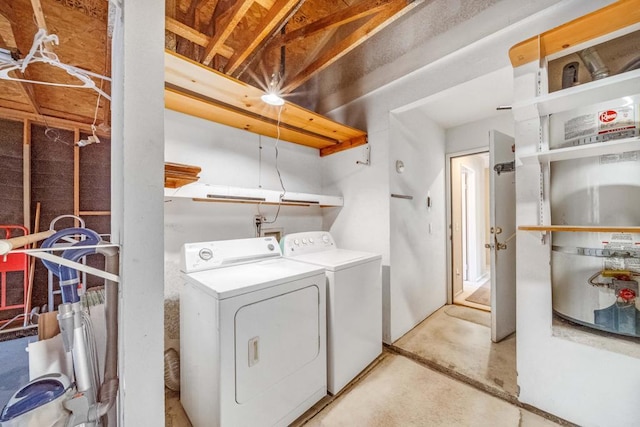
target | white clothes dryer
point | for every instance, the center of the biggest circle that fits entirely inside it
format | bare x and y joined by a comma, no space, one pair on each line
252,334
354,303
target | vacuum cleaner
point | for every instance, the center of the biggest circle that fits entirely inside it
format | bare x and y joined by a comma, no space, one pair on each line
53,399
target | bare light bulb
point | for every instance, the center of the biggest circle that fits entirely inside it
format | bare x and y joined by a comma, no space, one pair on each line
272,99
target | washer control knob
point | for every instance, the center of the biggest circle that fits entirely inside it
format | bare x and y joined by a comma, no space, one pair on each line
296,242
304,241
205,254
311,240
270,246
325,238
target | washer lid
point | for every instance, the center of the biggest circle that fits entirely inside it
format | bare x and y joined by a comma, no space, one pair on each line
337,259
236,280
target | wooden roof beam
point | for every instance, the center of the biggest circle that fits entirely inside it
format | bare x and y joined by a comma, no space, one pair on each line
342,17
224,27
38,13
359,36
194,36
205,10
278,15
27,91
52,121
7,38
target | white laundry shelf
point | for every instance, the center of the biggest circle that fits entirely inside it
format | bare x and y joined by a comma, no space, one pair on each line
582,151
222,193
585,94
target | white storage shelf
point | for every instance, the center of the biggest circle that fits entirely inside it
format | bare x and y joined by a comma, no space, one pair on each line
593,92
582,151
222,193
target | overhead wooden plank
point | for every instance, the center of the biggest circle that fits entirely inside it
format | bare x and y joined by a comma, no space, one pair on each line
342,17
55,122
26,172
191,105
7,39
183,73
194,36
27,90
8,104
224,28
39,15
598,23
278,14
6,33
346,145
205,10
337,51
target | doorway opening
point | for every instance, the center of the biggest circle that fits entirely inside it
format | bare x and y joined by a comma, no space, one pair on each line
471,260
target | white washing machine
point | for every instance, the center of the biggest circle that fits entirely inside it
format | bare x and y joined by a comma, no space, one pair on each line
252,334
354,303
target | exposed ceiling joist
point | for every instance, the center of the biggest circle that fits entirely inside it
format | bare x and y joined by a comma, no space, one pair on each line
342,17
27,90
347,44
279,13
194,36
227,23
48,120
38,14
205,9
7,39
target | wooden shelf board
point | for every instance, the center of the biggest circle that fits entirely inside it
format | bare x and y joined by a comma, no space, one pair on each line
598,23
582,151
195,89
580,228
189,104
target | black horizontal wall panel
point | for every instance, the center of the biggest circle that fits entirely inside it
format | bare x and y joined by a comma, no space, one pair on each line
95,176
52,186
11,194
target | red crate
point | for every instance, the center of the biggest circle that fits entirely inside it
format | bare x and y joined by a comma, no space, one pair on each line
13,263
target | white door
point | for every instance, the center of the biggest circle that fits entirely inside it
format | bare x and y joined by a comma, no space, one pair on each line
503,229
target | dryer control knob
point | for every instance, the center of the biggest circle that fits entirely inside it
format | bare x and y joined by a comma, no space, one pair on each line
296,241
304,241
206,254
325,238
311,240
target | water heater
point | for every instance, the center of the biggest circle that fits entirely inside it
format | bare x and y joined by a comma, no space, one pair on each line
595,276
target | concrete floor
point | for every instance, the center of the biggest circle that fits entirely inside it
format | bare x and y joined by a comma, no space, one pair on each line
446,371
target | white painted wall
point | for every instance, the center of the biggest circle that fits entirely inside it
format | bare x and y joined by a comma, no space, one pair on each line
136,207
366,221
229,156
584,384
474,136
417,232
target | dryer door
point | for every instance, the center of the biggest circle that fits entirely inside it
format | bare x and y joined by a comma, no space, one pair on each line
275,338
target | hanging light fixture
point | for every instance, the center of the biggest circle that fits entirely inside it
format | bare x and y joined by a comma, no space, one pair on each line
271,97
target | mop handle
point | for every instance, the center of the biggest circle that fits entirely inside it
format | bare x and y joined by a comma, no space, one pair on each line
7,245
